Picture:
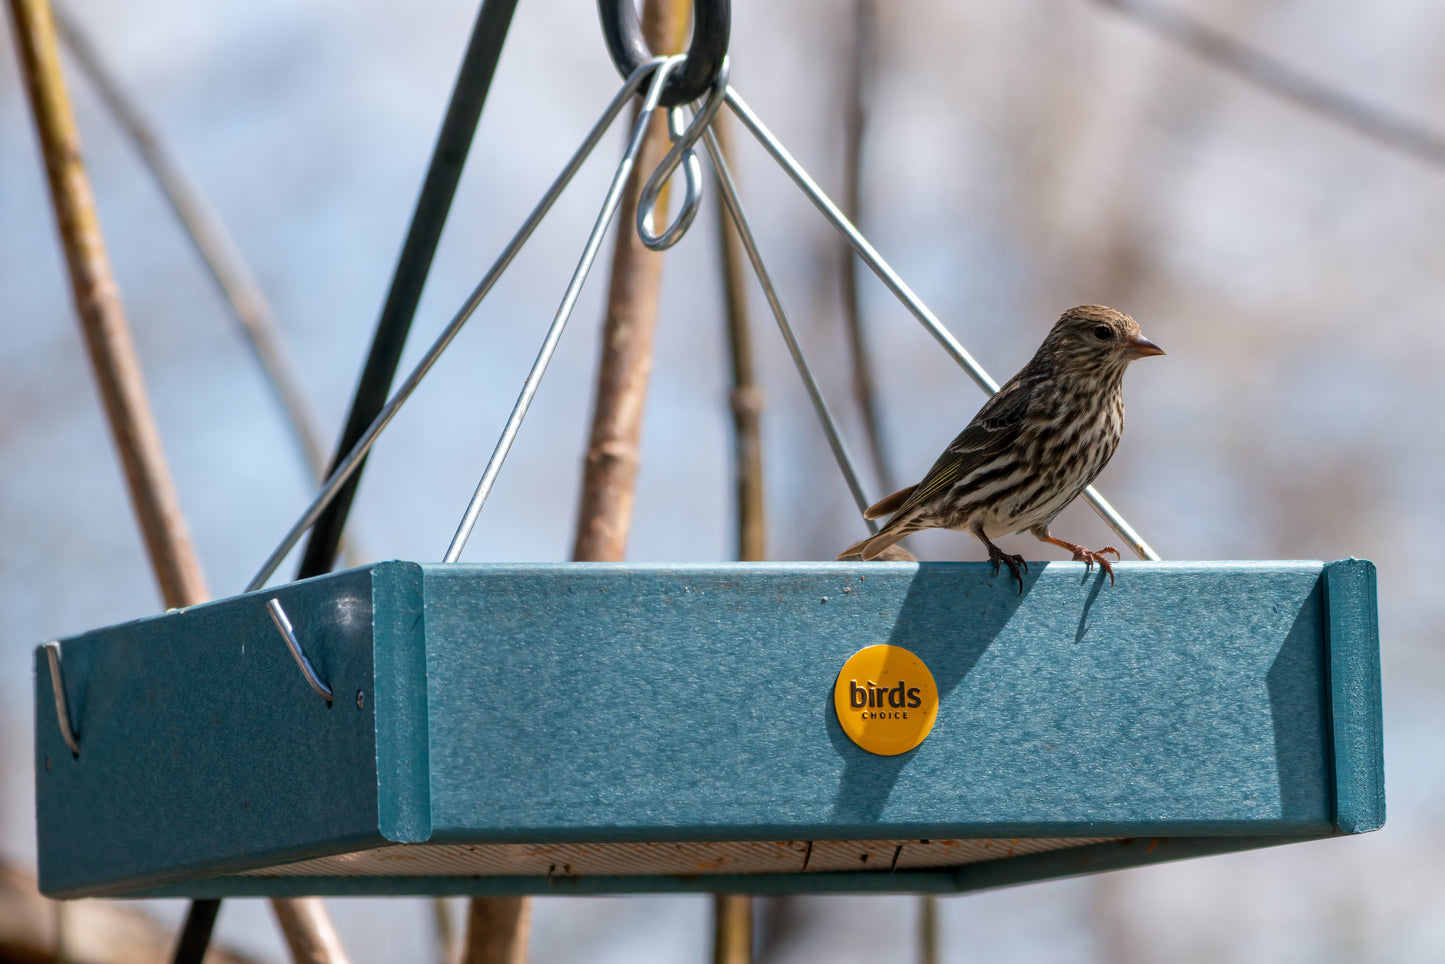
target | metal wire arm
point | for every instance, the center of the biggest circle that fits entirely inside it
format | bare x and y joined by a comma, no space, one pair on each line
656,73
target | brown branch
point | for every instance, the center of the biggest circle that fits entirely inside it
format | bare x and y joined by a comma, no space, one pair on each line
497,930
732,941
1269,73
732,929
610,466
212,242
118,375
927,929
309,931
95,931
855,125
497,926
97,300
444,930
746,399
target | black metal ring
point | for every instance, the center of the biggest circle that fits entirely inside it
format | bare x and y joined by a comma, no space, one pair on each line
711,26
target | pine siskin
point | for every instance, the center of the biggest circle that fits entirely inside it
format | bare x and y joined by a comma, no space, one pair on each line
1031,449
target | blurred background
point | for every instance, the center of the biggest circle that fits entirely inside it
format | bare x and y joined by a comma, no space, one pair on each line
1017,159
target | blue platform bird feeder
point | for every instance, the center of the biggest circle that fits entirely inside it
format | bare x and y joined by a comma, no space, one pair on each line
611,728
583,728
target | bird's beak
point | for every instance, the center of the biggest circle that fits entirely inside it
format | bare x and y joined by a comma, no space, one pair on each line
1141,347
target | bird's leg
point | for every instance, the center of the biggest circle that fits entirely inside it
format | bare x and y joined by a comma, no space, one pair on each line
1016,564
1087,556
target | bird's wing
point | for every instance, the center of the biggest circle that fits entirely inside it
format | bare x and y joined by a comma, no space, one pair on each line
889,504
990,434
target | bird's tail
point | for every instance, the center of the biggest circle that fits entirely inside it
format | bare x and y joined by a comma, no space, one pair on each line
878,543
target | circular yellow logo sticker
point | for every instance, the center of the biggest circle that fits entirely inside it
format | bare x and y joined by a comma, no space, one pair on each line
886,699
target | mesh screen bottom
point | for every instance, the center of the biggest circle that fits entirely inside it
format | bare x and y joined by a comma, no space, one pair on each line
632,859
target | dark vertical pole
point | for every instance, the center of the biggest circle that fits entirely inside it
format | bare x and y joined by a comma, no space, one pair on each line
196,935
474,80
448,157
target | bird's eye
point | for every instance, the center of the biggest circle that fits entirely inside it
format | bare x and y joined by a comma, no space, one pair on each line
1103,332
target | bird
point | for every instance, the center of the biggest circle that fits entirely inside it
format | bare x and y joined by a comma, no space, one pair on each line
1032,448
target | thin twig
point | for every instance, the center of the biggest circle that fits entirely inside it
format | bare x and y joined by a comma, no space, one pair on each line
309,931
102,319
610,465
745,398
855,124
1274,75
212,242
497,926
732,941
121,383
497,930
445,932
95,931
927,929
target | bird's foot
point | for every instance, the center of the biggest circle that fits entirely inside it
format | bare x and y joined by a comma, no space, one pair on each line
1090,556
1016,564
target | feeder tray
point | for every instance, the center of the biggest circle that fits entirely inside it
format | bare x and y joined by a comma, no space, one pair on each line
610,728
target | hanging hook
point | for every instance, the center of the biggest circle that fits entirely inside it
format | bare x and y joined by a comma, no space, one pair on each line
711,27
62,706
682,153
278,616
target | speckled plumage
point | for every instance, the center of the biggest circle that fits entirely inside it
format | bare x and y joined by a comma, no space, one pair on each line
1032,448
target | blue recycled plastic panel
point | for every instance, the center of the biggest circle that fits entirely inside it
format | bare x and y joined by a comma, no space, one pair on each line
1192,708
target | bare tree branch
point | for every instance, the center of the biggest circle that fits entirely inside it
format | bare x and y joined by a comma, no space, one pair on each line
212,242
1269,73
855,125
121,382
746,399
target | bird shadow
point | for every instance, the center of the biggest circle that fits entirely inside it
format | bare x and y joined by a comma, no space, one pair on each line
949,616
952,613
1297,683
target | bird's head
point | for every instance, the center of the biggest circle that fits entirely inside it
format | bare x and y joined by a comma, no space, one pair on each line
1095,339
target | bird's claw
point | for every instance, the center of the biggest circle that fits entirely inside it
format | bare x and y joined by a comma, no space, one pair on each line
1090,556
1016,564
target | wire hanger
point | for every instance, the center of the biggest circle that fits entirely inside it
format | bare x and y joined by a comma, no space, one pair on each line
699,79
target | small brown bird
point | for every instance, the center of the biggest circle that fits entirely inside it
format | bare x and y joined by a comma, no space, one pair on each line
1031,449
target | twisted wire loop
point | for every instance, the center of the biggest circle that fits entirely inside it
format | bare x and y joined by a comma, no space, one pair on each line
652,191
661,75
711,30
681,153
354,458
